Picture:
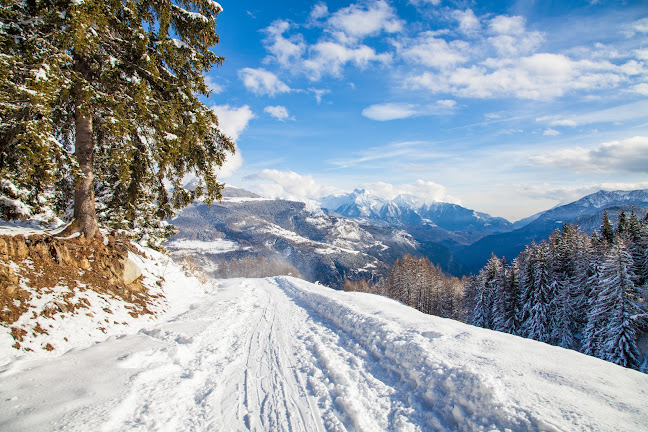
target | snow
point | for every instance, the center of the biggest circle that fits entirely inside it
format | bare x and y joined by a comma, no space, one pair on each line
213,247
283,354
104,315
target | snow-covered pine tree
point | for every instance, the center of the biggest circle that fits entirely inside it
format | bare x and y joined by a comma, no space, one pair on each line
617,306
509,300
538,324
30,76
565,280
606,231
593,327
527,282
129,83
486,290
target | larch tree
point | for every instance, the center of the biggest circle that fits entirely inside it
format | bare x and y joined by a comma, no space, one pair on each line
128,74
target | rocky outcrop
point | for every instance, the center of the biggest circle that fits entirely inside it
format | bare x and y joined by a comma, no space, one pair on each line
43,262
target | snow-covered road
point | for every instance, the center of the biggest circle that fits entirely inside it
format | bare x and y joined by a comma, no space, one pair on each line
281,354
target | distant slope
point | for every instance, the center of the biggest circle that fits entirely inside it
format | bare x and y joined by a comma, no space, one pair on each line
586,212
280,354
323,248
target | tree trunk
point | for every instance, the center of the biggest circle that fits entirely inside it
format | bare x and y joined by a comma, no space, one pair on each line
84,197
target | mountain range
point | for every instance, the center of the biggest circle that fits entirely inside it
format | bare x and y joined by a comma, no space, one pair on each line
360,235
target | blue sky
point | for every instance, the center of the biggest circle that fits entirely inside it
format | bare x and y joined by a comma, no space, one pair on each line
504,107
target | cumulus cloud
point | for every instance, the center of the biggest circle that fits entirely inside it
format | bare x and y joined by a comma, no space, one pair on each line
289,185
358,21
213,86
468,23
328,58
232,121
507,25
421,192
429,50
285,50
539,76
262,82
642,89
320,10
630,155
279,112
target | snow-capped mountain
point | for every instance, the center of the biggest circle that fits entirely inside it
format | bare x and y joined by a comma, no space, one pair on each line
321,247
445,223
586,212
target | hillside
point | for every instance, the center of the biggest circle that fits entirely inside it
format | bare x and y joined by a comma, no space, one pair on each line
587,213
321,247
282,354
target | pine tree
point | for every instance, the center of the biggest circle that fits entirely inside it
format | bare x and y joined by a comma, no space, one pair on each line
30,71
617,307
127,77
538,323
486,292
606,230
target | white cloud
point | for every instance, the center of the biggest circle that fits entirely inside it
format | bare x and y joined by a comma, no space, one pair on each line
394,111
390,111
550,132
370,19
540,77
428,50
617,114
289,185
448,103
328,58
232,121
279,112
468,23
285,50
516,45
212,86
639,26
262,82
425,2
641,88
422,191
568,194
507,25
320,10
630,155
319,93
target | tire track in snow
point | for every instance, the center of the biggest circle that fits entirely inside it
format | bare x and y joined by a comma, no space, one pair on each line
397,384
229,365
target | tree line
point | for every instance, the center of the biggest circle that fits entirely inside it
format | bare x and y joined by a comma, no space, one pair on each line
576,291
422,285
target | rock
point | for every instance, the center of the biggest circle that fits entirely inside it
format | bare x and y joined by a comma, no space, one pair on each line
63,307
131,272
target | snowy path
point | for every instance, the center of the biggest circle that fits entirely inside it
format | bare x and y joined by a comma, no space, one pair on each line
281,354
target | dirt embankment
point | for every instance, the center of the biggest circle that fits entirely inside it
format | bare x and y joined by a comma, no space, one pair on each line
44,265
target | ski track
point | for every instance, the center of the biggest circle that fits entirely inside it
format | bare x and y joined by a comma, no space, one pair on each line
262,355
